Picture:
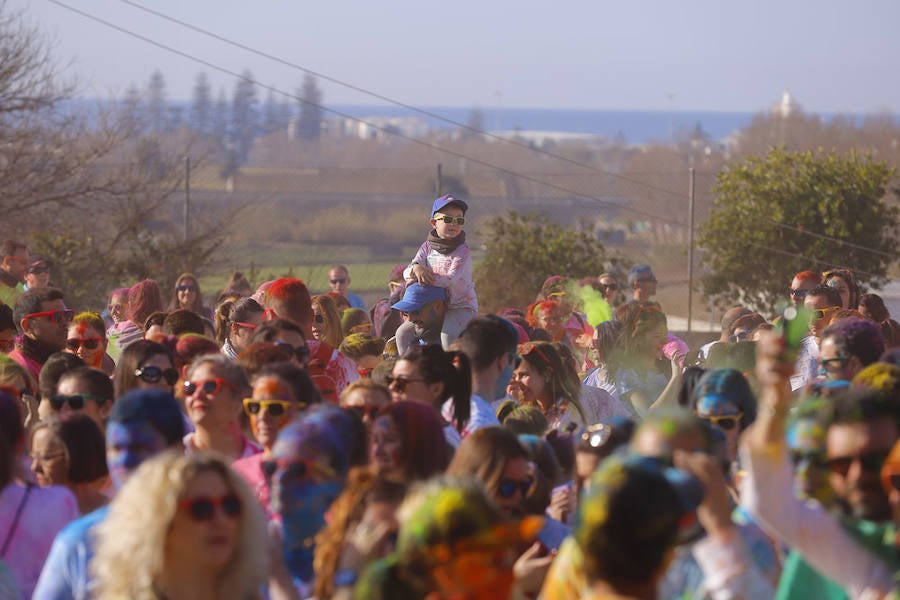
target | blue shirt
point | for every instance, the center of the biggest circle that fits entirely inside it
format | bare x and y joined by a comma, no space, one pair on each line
65,574
355,301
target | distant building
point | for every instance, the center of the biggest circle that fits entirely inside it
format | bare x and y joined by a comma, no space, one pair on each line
786,107
379,127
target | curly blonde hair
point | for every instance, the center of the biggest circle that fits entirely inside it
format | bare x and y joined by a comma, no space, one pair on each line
131,542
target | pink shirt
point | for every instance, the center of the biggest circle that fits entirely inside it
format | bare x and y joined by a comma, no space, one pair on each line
44,513
452,271
250,468
250,448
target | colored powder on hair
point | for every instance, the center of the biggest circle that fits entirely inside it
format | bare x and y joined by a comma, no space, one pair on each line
595,306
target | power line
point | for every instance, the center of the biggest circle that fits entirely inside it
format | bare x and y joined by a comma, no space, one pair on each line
806,258
393,101
832,239
384,130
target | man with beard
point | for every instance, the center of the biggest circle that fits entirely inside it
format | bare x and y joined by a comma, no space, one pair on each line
43,321
424,306
861,432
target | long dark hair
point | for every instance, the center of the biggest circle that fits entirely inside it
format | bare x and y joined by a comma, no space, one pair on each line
453,370
562,381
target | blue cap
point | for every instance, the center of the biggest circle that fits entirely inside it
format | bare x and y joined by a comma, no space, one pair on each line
417,295
640,273
157,407
442,202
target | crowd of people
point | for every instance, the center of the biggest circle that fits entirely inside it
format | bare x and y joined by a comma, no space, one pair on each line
279,444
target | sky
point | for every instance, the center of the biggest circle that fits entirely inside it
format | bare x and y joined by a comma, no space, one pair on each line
709,55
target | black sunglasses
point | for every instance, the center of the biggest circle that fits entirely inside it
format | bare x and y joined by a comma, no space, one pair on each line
186,287
508,487
39,270
89,344
319,317
75,401
798,293
870,462
399,383
203,508
337,281
297,468
364,411
301,352
151,374
813,459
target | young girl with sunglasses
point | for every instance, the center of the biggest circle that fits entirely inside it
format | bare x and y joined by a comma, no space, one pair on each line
280,392
145,364
214,388
445,260
182,527
87,340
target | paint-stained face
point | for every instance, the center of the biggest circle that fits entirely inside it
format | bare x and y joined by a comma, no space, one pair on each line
128,445
273,406
724,415
87,343
386,450
806,442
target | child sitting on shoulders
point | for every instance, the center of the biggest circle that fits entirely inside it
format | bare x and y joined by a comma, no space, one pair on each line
445,260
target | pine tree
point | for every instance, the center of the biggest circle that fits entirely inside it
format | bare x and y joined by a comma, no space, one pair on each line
309,126
244,116
201,106
157,117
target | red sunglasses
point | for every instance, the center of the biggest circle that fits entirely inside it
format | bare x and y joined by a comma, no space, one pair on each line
204,508
210,387
55,316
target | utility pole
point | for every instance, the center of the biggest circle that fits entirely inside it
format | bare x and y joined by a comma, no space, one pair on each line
438,183
187,198
690,247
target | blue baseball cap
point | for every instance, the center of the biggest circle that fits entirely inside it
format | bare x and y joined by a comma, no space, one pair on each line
417,295
445,200
640,273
